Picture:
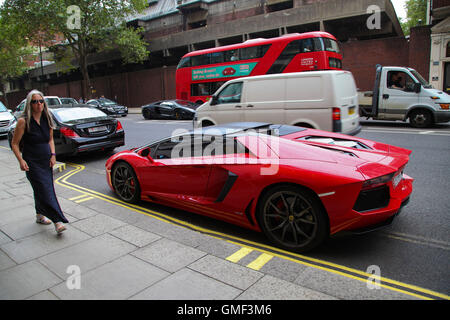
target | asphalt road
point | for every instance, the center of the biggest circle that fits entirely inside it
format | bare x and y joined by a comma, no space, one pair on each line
414,250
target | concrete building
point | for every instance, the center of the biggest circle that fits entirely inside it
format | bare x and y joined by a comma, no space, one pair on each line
368,31
440,45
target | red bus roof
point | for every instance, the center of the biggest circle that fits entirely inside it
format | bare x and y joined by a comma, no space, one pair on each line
262,41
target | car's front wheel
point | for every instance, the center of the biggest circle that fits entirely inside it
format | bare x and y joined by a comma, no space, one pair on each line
292,218
125,182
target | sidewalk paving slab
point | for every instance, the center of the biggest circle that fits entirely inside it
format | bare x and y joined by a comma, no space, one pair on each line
115,280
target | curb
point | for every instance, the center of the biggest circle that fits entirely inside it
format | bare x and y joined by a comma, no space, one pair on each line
59,167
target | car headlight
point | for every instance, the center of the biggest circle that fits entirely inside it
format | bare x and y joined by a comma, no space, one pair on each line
110,109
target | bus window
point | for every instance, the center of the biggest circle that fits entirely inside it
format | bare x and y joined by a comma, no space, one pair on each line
205,88
185,62
216,57
253,52
285,57
231,55
200,60
330,45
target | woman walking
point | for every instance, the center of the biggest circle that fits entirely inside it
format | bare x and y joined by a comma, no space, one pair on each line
37,158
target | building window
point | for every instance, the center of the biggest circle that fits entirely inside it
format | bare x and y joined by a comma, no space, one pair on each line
448,50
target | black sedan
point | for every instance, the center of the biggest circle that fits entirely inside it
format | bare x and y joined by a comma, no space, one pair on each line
109,107
170,109
81,128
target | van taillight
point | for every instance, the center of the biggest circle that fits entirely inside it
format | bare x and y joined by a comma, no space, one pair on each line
336,114
68,132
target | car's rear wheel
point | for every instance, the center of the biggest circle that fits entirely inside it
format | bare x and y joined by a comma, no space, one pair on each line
421,118
292,218
125,182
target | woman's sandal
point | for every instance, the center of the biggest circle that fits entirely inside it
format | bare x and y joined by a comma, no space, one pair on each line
42,219
59,227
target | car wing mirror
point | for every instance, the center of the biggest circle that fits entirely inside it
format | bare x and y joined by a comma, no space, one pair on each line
213,100
417,87
146,153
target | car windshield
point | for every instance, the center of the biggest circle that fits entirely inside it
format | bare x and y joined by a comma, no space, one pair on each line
422,81
77,114
68,100
52,101
106,102
2,107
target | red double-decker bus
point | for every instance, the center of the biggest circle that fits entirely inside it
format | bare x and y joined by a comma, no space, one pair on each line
200,73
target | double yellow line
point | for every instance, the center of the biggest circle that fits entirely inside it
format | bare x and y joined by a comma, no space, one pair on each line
267,252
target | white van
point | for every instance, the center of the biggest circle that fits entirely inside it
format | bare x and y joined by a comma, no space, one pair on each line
325,100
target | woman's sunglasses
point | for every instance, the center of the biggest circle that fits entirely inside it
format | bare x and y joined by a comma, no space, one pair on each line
36,101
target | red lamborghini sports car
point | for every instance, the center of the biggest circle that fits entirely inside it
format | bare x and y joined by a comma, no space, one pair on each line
296,185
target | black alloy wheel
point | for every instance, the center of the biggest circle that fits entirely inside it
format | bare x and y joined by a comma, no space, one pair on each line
292,218
146,114
125,183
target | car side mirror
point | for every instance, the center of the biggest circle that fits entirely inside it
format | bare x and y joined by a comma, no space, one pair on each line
213,100
146,153
417,87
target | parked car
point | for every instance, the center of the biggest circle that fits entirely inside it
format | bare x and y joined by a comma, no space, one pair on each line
51,101
68,101
296,185
81,128
109,107
7,120
170,109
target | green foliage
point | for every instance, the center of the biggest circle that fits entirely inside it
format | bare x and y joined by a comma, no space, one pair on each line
87,26
13,49
416,12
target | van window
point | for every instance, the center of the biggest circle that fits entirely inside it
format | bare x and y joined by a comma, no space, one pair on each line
230,94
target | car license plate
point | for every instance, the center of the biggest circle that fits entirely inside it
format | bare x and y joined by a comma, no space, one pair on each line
97,129
397,179
351,110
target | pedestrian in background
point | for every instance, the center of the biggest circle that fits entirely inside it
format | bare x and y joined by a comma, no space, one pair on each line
35,130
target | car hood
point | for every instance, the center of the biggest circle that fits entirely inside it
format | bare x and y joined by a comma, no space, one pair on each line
6,116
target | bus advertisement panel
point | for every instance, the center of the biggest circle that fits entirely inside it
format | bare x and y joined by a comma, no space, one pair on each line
200,73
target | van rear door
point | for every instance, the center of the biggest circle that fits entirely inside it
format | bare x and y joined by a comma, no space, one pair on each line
345,112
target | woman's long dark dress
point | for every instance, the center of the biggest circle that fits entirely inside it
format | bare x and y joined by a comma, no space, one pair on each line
36,152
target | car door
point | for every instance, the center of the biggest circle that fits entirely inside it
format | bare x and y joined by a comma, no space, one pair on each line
228,106
166,110
395,100
173,175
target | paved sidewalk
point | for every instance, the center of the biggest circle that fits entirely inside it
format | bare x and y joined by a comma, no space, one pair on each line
123,254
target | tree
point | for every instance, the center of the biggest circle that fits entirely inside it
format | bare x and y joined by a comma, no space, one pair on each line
13,49
87,27
416,13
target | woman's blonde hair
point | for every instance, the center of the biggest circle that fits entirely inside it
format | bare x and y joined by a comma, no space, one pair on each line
27,112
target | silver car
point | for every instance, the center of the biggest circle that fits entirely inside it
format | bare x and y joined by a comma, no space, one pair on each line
7,120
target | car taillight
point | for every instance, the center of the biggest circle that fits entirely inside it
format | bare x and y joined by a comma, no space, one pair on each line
336,114
119,127
69,132
377,182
